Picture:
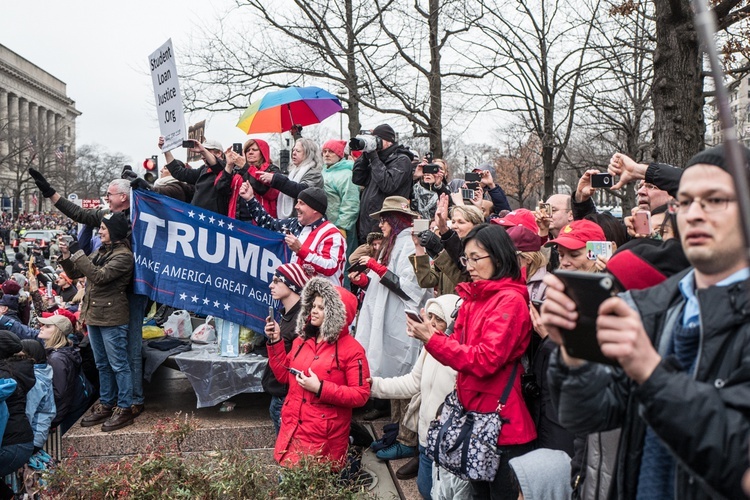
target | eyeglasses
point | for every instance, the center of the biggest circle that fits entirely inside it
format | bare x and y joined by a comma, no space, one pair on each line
708,205
648,185
275,280
382,220
111,194
473,260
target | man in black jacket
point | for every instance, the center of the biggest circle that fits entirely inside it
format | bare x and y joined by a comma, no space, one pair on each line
683,347
384,170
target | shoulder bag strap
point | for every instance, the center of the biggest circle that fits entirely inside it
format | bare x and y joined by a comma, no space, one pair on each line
508,387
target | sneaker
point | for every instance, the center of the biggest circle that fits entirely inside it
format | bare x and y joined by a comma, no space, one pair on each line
121,417
396,451
137,409
98,414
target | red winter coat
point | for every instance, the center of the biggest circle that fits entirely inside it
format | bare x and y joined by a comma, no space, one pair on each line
491,334
319,425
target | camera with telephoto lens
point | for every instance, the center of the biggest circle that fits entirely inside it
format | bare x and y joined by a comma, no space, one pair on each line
365,142
529,387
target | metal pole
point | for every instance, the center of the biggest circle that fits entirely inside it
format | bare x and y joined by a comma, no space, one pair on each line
705,24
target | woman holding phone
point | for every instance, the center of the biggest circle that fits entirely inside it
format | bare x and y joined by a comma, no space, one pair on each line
327,374
491,333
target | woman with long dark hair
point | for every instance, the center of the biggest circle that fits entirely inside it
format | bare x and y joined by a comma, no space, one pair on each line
392,288
491,333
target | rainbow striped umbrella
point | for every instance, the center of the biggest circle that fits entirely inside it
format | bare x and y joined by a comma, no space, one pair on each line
278,111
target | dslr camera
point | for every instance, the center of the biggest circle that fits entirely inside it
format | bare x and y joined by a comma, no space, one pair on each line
365,142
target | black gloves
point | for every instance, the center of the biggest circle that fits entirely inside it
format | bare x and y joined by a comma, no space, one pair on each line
44,187
431,243
139,183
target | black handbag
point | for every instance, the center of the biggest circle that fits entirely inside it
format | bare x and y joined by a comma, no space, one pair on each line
465,442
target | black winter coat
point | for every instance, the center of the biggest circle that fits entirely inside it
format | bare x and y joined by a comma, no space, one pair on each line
68,382
288,329
209,194
18,430
702,418
382,174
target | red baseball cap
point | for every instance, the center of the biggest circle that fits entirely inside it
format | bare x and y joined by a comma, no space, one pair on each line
519,217
524,240
61,312
575,235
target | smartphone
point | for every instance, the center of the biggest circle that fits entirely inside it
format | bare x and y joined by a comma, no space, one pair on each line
294,371
431,168
472,185
537,305
421,225
270,314
642,222
588,291
545,208
357,268
414,315
190,143
237,148
601,180
597,248
472,177
428,156
467,194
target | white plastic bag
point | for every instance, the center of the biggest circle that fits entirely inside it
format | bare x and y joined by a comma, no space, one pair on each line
178,325
205,333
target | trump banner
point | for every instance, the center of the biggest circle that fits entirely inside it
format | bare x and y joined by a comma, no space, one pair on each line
195,259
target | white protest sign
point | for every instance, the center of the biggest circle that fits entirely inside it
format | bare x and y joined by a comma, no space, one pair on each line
168,98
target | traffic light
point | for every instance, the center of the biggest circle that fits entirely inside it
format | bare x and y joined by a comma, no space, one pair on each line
152,163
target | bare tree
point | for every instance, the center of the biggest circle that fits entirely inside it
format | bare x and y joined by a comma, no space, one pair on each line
96,169
265,45
544,46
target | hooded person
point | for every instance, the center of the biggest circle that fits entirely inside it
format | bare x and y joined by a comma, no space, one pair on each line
543,474
40,401
427,385
327,374
255,161
18,438
342,193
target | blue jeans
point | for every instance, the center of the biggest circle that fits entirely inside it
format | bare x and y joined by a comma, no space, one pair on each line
275,411
110,346
135,343
13,456
424,476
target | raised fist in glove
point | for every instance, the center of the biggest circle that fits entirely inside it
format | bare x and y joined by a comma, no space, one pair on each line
139,183
44,187
431,243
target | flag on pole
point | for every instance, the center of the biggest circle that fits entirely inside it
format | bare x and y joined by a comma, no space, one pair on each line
34,199
60,152
30,147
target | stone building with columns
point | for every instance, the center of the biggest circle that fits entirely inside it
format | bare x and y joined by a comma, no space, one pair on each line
37,128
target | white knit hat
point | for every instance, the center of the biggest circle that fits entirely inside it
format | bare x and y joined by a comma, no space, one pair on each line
442,306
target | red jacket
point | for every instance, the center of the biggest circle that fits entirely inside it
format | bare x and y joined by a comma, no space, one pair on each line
319,425
491,334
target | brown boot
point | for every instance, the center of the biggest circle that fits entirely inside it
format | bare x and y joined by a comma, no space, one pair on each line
98,414
121,417
409,470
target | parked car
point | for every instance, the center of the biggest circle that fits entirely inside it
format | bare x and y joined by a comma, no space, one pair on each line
43,236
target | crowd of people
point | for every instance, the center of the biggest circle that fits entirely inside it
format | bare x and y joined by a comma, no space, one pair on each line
428,299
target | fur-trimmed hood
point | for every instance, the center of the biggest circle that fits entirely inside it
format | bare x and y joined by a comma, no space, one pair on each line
340,308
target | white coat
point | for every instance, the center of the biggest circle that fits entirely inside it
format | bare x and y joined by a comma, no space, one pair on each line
381,327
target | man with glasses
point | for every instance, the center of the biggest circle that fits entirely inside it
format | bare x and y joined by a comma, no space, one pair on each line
683,350
118,199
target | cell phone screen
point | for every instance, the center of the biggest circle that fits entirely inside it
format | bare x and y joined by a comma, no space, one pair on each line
414,315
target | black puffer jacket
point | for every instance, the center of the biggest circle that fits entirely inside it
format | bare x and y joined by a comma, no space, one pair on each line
701,418
288,329
384,173
18,430
69,384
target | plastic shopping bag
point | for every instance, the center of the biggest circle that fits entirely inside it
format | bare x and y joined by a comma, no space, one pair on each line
205,333
178,325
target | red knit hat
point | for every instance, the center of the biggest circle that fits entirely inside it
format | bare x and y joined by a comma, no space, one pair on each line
336,146
575,235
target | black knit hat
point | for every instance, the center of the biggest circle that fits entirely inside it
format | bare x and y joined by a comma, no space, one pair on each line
118,225
385,132
717,156
315,198
9,344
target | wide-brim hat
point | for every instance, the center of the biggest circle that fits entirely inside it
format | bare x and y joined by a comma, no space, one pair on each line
395,204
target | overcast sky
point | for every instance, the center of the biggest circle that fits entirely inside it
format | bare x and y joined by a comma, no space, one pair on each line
100,50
